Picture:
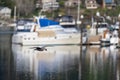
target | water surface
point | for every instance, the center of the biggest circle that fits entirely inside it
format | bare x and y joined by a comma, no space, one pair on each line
71,62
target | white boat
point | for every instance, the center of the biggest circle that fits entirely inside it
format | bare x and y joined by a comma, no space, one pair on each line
106,38
45,32
110,38
101,34
67,21
102,27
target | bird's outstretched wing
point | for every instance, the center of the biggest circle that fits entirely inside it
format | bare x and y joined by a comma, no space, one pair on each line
39,48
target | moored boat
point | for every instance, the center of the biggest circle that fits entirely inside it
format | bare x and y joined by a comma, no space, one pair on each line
66,21
45,32
105,39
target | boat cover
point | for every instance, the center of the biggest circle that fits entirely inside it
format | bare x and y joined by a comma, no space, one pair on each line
46,22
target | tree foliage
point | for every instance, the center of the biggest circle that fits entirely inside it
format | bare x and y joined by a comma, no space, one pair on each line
61,3
8,3
25,7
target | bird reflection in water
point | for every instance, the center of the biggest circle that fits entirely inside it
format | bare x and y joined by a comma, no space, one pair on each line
40,48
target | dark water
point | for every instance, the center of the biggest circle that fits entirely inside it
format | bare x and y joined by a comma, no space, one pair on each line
7,68
58,62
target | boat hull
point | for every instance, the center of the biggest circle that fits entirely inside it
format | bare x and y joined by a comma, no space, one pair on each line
32,38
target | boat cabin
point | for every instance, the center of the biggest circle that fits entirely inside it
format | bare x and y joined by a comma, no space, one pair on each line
102,27
24,25
66,21
40,23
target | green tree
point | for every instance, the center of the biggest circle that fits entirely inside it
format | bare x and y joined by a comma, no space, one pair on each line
61,3
8,3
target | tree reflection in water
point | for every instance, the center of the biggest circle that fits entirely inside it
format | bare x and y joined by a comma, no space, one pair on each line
100,63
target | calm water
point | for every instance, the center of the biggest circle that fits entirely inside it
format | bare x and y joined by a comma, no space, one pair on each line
58,62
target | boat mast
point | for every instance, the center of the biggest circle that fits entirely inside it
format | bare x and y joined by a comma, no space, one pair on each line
78,11
78,20
14,13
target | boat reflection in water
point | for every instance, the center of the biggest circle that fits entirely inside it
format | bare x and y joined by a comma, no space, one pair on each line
55,63
67,63
101,63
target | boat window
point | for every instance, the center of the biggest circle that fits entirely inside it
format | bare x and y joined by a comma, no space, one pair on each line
70,18
69,26
33,38
55,37
27,26
24,25
102,26
23,21
67,19
20,23
64,19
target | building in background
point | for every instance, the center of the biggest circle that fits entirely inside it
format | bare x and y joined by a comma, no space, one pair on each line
91,4
5,12
39,4
110,4
71,3
107,3
49,5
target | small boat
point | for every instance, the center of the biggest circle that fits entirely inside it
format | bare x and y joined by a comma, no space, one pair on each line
105,38
114,38
66,21
109,38
101,27
45,32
